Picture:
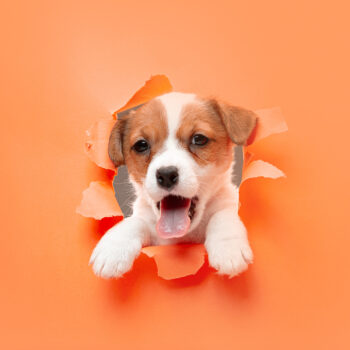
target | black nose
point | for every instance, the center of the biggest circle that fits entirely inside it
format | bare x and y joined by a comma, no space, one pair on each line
167,177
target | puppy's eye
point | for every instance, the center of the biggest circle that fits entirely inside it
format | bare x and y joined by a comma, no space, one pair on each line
199,140
141,146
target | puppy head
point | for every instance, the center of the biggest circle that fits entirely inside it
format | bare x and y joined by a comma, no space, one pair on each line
177,148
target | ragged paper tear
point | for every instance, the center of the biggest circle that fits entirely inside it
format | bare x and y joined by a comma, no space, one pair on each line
259,168
99,201
96,144
176,261
248,157
157,85
270,121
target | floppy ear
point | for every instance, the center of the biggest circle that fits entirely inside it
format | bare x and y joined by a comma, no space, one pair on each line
115,145
239,122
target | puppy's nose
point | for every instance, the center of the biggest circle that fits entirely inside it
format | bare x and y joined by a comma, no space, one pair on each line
167,177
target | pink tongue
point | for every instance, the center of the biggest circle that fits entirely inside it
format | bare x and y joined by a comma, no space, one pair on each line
174,220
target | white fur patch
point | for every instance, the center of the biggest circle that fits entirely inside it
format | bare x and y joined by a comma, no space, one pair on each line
174,103
172,154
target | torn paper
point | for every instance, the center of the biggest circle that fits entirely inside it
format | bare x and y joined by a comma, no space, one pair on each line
99,201
96,144
259,168
176,261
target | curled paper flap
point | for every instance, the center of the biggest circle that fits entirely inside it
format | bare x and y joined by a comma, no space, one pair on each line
157,85
248,157
99,201
259,168
270,121
96,144
176,261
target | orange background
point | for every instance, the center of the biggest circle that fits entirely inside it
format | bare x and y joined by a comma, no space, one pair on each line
66,64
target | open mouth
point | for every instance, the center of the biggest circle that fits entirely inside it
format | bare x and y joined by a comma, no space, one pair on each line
176,214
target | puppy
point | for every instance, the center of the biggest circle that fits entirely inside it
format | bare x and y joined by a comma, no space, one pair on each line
178,149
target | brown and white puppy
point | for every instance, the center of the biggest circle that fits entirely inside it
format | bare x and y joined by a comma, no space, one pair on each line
178,149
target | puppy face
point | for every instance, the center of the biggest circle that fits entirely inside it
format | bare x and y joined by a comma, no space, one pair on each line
176,147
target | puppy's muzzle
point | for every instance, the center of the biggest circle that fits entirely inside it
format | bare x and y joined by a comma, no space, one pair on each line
167,177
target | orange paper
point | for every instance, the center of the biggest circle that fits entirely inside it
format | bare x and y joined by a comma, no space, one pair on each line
175,261
259,168
63,63
270,121
99,201
248,156
96,144
157,85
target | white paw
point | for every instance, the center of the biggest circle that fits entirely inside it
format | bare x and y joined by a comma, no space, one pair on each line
229,257
114,255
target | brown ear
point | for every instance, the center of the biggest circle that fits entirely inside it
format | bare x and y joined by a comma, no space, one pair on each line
115,145
239,122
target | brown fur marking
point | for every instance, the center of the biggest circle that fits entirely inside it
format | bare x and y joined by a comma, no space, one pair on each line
239,122
197,118
149,123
